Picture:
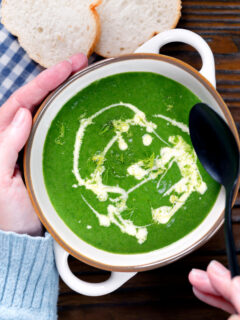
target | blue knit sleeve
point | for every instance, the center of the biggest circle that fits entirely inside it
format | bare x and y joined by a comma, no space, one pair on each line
28,277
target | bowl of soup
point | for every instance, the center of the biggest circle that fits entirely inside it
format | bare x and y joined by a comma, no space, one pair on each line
111,170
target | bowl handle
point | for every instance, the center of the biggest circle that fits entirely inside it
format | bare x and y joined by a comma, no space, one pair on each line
115,281
181,35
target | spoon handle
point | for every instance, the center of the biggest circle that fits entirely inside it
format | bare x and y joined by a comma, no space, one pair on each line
229,239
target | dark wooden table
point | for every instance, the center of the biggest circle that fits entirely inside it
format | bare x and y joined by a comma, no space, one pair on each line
165,293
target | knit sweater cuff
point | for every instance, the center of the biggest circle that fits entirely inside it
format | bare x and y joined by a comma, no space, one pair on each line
28,277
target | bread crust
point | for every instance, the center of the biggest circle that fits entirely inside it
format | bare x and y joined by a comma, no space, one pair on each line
95,14
153,34
179,14
93,7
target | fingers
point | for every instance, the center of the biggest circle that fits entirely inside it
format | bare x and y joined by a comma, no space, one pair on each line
206,292
13,140
216,287
199,279
235,293
35,91
214,301
234,317
220,279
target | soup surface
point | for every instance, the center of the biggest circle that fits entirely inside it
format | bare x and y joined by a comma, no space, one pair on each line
119,166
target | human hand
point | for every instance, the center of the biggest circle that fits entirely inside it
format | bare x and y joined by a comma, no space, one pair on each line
16,211
215,287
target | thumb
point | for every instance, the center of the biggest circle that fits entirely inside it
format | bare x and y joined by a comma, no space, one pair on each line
14,138
235,293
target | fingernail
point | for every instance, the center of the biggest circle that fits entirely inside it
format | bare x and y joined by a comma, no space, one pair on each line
217,268
236,282
198,274
19,117
234,317
69,60
79,61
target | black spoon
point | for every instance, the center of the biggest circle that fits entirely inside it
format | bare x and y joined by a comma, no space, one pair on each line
218,152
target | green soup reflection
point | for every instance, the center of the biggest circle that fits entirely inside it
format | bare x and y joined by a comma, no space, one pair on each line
119,166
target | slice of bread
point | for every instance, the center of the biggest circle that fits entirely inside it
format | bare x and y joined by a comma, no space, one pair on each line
53,30
126,24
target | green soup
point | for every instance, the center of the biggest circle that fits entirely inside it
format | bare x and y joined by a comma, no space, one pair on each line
119,166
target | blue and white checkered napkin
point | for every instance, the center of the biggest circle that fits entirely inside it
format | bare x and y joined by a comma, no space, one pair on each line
16,68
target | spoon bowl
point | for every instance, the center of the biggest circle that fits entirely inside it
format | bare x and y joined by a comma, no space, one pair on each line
218,152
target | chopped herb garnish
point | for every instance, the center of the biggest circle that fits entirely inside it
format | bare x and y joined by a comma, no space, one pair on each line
121,158
149,162
105,175
106,128
59,140
82,116
129,134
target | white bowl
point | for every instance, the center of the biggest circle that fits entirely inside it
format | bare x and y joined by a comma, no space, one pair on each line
166,66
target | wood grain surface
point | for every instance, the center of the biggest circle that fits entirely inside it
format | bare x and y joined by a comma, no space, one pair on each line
165,293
